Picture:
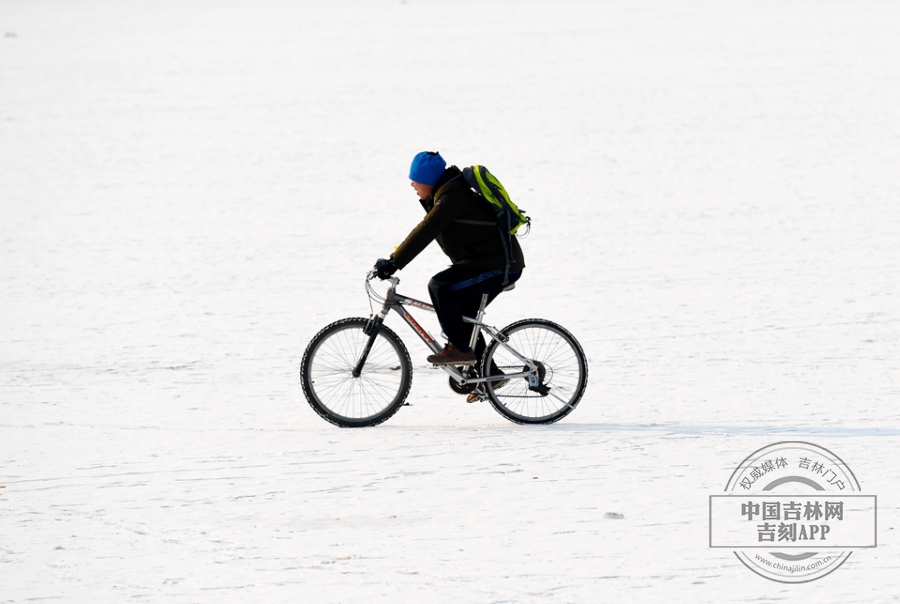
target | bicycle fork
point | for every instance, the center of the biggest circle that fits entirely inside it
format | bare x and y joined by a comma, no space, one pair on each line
371,330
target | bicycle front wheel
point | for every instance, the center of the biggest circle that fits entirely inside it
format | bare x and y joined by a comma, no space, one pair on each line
562,372
330,387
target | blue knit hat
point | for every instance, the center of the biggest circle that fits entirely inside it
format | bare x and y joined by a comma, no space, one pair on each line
427,167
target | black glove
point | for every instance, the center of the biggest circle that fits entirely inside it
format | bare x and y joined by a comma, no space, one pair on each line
384,268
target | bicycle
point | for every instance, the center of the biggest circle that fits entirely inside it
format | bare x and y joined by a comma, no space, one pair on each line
356,372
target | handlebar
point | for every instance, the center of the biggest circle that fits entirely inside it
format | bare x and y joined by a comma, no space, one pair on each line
372,274
370,291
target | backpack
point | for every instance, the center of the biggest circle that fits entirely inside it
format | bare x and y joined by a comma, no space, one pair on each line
486,185
509,218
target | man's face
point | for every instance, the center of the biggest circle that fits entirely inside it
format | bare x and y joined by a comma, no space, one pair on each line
423,191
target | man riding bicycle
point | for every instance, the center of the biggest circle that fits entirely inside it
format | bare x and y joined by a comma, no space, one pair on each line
464,225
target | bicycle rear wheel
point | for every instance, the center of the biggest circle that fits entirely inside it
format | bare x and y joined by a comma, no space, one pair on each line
562,369
326,374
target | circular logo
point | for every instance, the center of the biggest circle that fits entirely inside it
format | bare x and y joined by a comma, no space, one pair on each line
793,513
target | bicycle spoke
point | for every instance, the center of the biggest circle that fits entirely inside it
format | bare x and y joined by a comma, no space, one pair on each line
368,398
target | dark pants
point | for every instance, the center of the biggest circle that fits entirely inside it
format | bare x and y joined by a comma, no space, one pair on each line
456,292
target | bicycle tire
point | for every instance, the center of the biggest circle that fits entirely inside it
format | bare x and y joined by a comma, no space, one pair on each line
326,374
561,364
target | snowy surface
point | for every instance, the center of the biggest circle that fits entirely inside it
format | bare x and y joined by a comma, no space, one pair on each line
189,190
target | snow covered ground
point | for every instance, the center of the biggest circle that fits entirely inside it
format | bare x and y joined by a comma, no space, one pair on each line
189,190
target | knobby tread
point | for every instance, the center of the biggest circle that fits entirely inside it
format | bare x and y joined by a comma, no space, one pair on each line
322,409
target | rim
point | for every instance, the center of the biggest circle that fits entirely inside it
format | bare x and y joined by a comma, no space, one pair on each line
331,374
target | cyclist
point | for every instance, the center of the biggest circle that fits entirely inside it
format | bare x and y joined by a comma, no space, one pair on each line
453,212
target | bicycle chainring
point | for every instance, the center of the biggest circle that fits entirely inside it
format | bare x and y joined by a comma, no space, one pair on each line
464,388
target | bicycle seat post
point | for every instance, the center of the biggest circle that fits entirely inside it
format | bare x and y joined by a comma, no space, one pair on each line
478,318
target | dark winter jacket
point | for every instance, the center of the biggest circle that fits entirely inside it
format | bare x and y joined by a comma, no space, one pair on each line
470,244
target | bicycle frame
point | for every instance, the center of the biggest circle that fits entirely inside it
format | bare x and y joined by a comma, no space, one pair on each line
397,302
